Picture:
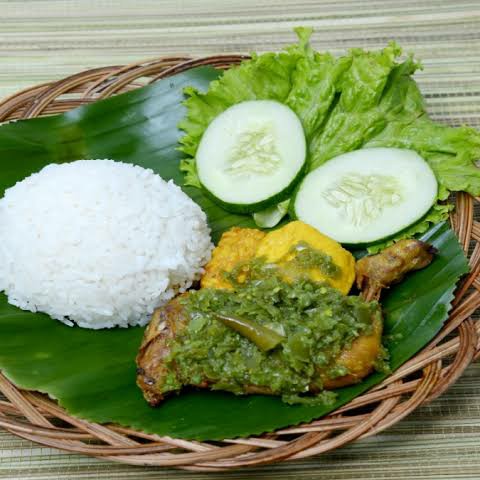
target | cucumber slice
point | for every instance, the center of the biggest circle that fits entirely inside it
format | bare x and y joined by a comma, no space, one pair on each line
367,195
271,216
252,155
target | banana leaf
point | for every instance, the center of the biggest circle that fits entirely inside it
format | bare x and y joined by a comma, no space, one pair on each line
92,373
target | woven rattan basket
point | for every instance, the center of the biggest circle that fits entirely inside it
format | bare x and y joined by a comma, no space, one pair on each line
39,419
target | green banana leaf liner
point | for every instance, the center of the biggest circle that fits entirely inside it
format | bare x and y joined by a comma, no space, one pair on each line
92,373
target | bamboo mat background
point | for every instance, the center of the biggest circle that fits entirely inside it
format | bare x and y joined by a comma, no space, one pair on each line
46,40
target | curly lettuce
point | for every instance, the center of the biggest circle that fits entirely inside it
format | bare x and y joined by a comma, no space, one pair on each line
362,99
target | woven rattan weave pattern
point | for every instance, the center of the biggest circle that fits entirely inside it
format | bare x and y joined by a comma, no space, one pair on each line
39,419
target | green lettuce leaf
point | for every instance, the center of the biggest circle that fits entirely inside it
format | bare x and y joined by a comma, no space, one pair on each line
362,99
353,123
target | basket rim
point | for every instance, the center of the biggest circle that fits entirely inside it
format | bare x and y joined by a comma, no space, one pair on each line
31,415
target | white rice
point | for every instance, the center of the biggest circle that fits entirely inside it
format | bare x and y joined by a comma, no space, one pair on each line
99,243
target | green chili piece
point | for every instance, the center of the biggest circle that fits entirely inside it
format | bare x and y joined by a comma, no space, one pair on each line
264,338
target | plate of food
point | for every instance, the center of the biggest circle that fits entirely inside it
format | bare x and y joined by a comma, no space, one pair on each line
239,261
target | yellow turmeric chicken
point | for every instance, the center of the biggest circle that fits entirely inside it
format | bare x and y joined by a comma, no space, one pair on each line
237,246
295,240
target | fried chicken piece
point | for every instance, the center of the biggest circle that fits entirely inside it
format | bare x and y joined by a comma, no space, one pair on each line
152,371
359,359
237,245
169,321
379,271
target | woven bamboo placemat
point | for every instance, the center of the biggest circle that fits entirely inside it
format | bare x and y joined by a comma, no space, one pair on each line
42,41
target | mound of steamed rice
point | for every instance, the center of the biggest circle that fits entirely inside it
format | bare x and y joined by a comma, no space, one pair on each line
99,243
